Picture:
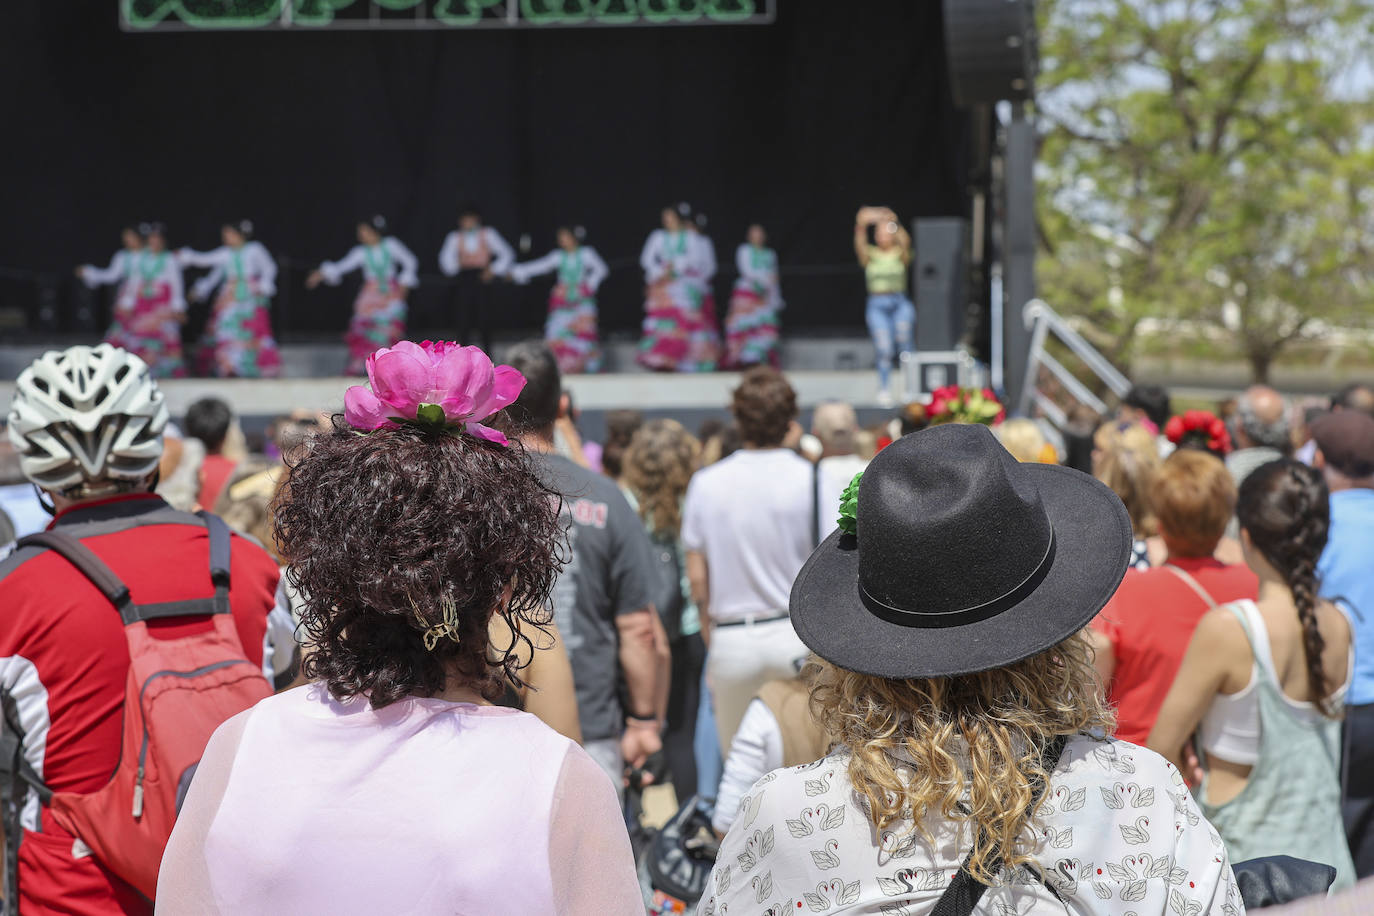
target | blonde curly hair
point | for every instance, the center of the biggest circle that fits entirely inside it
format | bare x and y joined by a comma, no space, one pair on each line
1126,458
657,467
1003,717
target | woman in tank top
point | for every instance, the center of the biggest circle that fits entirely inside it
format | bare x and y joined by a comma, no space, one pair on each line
890,314
1263,683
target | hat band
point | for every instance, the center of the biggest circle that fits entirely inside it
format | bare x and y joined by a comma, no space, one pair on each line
935,619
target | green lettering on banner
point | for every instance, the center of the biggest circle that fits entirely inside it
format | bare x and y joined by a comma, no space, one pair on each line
543,12
208,14
464,12
249,14
666,10
616,12
316,12
730,10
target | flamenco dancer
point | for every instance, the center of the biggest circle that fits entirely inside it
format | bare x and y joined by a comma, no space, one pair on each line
571,329
379,312
751,327
119,275
679,333
238,340
474,255
890,314
151,304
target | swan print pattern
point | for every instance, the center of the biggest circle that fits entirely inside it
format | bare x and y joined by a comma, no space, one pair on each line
1116,832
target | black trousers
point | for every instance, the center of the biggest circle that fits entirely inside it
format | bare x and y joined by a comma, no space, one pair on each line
1357,770
471,308
684,697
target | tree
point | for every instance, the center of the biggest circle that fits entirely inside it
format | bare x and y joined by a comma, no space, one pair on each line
1209,163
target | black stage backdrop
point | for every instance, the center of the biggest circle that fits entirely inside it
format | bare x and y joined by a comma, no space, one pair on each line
794,124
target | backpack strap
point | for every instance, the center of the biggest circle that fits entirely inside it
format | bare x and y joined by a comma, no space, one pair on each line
89,565
113,588
964,890
1192,583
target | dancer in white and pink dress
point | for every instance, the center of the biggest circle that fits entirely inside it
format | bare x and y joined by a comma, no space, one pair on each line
679,333
751,327
389,274
571,329
238,340
151,306
119,275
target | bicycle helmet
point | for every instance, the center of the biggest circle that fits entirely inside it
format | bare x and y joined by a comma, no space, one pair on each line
87,420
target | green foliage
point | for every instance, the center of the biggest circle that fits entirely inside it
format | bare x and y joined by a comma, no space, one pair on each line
849,506
1209,163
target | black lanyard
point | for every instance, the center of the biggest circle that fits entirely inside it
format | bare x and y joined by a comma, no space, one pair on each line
964,890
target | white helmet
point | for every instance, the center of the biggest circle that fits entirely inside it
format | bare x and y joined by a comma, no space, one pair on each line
87,415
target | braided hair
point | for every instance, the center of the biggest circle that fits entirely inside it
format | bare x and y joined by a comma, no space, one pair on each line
1284,507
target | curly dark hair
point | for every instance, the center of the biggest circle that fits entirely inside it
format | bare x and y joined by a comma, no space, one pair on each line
385,532
1284,505
764,404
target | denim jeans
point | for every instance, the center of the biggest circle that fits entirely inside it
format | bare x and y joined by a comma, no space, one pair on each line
706,748
891,321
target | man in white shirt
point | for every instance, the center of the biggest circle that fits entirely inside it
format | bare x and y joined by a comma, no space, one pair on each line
474,254
747,528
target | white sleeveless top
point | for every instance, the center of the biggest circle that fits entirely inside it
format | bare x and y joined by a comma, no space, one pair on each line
1230,729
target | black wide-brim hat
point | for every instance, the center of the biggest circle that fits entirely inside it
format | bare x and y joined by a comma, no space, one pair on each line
964,560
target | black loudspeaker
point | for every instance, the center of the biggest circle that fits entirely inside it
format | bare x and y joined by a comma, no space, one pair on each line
941,268
991,49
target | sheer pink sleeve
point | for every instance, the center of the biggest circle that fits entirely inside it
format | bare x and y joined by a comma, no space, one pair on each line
183,881
590,862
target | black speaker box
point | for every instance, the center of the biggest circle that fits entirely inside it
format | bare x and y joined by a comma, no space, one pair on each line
941,268
991,49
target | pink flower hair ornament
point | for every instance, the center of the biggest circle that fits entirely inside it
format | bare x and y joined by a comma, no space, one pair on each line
434,385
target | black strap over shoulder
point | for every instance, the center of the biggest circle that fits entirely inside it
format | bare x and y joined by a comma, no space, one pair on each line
816,503
113,588
964,890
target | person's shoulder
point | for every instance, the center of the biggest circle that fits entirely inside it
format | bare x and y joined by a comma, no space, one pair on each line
715,471
17,570
1222,624
783,789
787,458
1095,758
574,481
245,549
1137,586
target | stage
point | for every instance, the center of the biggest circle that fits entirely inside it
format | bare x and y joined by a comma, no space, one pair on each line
821,370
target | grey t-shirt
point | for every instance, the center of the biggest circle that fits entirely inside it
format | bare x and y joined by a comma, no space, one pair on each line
611,573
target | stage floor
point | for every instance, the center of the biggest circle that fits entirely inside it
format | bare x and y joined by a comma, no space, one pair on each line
606,391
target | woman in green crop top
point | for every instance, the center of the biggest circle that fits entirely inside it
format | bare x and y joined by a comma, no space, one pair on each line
890,314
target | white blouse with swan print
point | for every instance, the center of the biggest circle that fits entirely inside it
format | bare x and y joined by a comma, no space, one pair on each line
1119,834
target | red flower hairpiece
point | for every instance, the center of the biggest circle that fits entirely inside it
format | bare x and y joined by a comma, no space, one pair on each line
1199,429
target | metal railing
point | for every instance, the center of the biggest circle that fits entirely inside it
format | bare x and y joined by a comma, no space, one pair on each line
1041,321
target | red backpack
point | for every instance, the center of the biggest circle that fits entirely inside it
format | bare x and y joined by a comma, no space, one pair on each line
177,693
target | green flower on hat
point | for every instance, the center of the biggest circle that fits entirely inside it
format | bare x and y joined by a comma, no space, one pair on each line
849,506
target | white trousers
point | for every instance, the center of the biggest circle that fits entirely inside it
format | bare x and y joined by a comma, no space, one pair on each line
740,660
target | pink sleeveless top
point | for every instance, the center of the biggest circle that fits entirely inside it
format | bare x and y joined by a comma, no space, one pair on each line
305,804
